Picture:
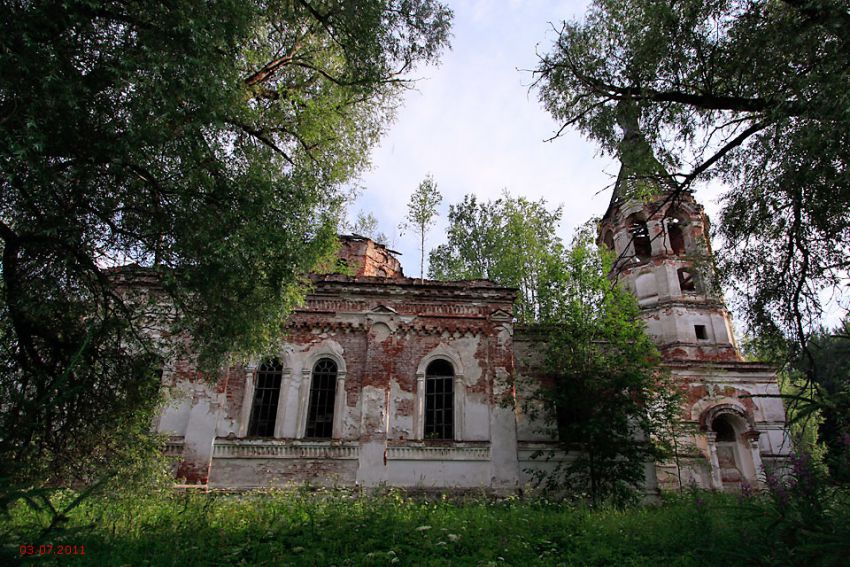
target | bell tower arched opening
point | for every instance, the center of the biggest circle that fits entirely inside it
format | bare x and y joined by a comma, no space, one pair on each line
641,242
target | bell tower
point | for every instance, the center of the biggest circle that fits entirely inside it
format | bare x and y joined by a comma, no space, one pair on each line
660,236
732,420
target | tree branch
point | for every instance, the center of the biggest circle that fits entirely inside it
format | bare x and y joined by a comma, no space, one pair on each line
269,69
728,147
706,101
261,136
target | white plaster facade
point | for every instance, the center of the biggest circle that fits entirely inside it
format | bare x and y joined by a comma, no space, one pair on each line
382,336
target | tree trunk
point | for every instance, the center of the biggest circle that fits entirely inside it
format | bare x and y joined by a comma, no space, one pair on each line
422,254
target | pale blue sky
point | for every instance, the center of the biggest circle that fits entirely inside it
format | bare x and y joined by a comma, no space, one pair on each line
476,127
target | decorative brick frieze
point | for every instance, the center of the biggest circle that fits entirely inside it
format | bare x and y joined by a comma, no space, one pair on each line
279,449
438,453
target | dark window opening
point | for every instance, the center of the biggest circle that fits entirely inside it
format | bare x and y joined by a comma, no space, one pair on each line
723,429
676,236
640,240
320,412
439,400
608,240
266,394
701,332
566,416
687,281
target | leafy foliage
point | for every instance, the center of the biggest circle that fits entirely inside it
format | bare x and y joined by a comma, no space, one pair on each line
829,366
365,224
816,392
808,515
612,401
510,241
422,213
754,94
88,425
203,142
274,527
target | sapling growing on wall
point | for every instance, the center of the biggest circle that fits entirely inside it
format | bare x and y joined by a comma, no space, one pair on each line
422,213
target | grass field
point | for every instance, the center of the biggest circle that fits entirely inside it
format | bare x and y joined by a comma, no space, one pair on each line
389,528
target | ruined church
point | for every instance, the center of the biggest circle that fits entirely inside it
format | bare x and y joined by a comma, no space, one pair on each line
382,379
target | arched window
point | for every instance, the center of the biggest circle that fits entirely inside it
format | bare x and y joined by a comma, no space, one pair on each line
266,394
320,412
439,400
723,429
676,236
687,279
729,460
640,239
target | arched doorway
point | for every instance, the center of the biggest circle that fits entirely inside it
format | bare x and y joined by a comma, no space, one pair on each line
733,449
728,455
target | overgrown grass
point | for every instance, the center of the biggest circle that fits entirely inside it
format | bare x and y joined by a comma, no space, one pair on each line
336,527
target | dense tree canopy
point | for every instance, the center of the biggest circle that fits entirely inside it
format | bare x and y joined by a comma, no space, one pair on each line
829,392
509,240
816,388
203,142
603,389
755,94
612,401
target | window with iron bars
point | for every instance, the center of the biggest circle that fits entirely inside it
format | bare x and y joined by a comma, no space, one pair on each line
439,400
266,395
320,413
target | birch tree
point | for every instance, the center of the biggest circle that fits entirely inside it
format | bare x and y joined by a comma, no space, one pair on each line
422,214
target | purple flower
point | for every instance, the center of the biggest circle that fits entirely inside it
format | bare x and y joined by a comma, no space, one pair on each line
746,491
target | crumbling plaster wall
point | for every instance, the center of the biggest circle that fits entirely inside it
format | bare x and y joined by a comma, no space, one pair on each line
746,391
710,386
382,344
383,334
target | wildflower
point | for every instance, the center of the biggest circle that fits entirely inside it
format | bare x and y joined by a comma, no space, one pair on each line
746,491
